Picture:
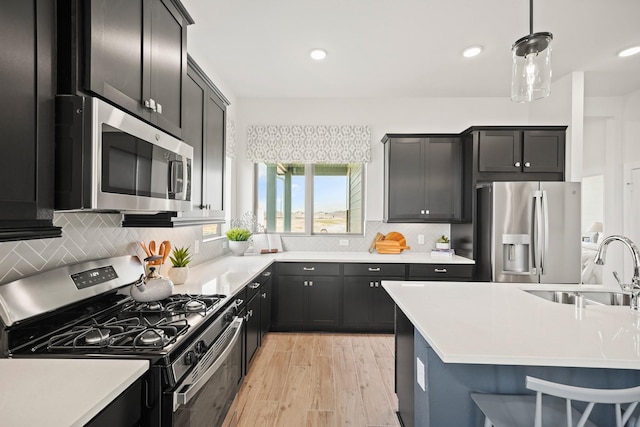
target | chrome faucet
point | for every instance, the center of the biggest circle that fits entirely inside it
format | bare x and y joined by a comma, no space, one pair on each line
634,287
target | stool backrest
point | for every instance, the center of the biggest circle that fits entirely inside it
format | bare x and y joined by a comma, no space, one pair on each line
592,396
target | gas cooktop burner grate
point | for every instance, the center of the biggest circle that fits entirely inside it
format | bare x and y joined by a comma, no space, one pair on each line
130,333
177,304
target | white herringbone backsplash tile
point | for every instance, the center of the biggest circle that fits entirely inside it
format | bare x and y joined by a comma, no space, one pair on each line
87,236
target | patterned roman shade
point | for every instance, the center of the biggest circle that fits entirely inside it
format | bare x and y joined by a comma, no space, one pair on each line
308,144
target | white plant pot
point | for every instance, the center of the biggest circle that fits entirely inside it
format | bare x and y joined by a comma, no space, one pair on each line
440,245
238,248
179,275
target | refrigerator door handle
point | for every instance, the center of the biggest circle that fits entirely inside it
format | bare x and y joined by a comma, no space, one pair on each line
537,232
545,215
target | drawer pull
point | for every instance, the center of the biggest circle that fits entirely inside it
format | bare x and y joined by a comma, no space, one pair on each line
440,270
239,301
266,274
309,268
254,285
374,268
371,284
310,283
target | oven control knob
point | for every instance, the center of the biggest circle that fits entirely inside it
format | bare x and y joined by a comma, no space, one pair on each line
190,358
200,347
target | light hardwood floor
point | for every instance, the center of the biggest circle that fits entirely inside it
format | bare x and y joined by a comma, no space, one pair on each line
319,379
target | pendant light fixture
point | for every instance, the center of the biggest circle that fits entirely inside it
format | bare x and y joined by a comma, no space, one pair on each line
531,70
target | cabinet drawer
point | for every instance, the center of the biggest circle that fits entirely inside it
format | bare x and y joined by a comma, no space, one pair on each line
377,270
254,286
308,268
440,271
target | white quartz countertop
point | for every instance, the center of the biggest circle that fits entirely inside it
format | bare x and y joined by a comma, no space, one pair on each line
501,324
227,275
61,392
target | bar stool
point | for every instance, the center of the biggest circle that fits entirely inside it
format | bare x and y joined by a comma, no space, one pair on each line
555,409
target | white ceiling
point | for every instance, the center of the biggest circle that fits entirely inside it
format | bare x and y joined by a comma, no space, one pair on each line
406,48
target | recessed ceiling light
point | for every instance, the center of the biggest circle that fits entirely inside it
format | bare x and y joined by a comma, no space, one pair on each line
318,54
629,51
472,51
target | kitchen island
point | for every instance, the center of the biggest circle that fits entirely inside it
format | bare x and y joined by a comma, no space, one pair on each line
486,337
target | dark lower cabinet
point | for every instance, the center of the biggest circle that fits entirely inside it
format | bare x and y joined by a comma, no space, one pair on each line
265,309
441,272
252,326
367,306
404,368
27,84
124,410
307,303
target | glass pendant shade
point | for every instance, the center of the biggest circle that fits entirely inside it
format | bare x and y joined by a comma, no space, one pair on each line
531,69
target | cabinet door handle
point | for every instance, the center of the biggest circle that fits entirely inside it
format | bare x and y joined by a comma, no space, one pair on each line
264,295
158,108
527,165
422,212
426,211
371,284
254,285
309,268
250,313
440,270
516,164
150,104
306,283
374,268
310,283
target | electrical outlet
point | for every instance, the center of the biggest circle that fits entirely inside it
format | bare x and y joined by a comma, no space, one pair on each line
196,247
344,242
421,239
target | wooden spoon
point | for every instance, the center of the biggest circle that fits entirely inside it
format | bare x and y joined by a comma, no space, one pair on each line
166,250
152,247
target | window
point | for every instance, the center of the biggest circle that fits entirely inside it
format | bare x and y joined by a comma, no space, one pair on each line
210,231
287,192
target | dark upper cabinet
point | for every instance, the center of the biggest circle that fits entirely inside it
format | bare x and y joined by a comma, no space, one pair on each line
131,52
27,84
205,117
520,151
423,178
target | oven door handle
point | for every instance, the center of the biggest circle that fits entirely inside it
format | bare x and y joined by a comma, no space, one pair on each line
182,398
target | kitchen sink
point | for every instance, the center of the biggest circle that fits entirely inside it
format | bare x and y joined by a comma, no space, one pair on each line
562,297
589,297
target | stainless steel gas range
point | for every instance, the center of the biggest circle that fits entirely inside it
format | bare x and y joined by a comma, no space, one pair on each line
193,342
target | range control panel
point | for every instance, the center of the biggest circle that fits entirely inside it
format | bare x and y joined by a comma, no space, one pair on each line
93,277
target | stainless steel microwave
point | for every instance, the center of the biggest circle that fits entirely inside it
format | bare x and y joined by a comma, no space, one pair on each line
109,160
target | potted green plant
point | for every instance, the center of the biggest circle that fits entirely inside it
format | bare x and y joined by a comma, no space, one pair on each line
442,242
180,259
238,240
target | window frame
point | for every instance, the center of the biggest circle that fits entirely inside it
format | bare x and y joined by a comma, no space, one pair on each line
309,173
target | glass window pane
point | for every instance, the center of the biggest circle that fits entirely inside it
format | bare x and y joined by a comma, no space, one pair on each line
210,230
337,198
281,194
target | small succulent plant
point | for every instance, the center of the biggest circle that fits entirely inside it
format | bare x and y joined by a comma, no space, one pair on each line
238,234
443,239
180,257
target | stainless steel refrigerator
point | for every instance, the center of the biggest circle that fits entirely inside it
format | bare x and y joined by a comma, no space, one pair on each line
529,232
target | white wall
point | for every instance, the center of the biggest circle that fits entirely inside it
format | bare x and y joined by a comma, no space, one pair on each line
381,115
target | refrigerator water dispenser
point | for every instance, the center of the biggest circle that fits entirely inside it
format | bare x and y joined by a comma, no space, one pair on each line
515,253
